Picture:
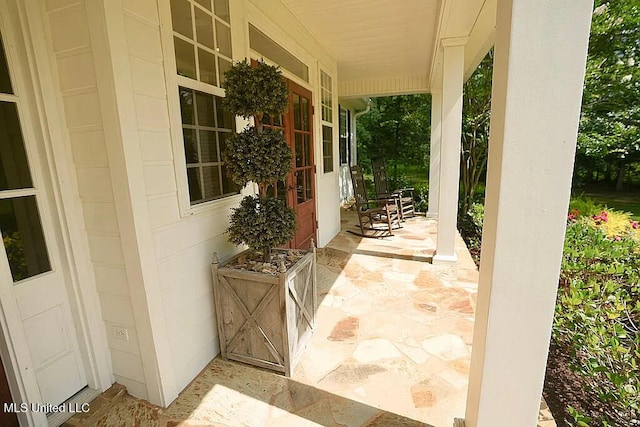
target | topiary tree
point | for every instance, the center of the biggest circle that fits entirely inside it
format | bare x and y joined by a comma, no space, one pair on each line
260,155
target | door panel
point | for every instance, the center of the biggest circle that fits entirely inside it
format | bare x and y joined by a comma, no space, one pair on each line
32,282
302,178
299,188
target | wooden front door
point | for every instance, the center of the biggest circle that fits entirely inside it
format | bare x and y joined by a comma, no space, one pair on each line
299,189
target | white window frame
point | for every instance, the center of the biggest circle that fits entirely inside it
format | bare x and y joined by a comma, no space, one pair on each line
173,82
331,124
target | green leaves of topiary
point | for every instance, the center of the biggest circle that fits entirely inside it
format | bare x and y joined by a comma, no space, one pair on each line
254,91
260,155
262,223
263,158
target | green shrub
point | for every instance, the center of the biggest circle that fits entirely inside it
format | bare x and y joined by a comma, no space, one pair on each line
585,206
597,316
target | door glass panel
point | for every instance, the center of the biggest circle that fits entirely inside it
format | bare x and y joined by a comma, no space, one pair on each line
5,81
206,112
300,186
14,169
305,114
299,159
307,188
307,150
23,237
296,112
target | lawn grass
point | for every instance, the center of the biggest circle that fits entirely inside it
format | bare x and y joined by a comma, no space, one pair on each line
621,201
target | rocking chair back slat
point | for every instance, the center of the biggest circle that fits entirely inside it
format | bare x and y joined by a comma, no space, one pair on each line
380,178
370,212
404,197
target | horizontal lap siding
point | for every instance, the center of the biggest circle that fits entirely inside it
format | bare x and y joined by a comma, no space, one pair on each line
73,57
183,245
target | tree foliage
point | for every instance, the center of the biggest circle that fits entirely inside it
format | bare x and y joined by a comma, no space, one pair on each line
476,115
609,134
396,129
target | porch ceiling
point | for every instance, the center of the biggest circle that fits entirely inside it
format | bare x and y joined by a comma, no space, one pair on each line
387,47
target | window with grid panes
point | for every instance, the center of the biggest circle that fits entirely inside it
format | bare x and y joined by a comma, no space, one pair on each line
202,45
326,101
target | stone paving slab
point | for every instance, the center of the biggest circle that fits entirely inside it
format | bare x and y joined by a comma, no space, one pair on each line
392,347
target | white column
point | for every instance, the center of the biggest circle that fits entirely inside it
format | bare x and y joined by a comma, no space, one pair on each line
434,153
452,81
540,55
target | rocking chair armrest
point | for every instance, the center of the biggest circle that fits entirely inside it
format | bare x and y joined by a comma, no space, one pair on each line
402,190
384,200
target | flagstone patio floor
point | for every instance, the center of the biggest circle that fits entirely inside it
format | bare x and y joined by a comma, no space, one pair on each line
392,347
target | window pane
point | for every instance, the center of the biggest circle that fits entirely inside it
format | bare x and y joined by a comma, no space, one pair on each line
327,149
190,145
204,106
221,9
181,17
207,62
14,168
185,58
222,140
223,34
223,66
228,186
211,176
195,189
23,237
5,81
226,120
204,28
186,106
208,146
205,3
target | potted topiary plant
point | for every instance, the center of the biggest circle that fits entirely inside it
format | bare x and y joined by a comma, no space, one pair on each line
265,298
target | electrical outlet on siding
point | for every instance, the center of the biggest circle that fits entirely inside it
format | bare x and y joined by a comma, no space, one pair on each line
120,333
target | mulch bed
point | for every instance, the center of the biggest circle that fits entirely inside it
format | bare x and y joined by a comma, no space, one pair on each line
564,388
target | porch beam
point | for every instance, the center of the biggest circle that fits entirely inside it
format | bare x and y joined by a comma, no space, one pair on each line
452,81
540,56
434,153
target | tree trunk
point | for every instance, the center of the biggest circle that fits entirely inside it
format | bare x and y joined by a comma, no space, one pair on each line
620,179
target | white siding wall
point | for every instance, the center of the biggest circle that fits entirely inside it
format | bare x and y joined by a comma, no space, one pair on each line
183,244
183,239
72,55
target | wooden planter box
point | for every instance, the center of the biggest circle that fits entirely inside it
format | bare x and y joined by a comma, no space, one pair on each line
266,320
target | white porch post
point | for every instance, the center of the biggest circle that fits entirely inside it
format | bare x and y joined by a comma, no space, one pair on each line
540,55
451,124
434,153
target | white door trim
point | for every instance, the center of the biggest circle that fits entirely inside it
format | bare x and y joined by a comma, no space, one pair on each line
24,30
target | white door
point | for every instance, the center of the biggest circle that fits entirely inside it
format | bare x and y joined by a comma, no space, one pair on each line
33,295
